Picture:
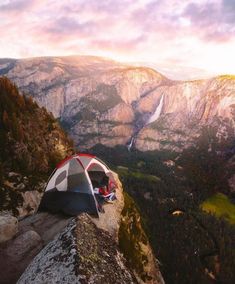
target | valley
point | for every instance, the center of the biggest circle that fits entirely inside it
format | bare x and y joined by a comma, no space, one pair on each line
192,245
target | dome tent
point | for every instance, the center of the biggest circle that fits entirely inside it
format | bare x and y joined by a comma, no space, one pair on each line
70,188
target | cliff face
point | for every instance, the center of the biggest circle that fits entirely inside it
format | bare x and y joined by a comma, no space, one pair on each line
93,97
102,101
187,108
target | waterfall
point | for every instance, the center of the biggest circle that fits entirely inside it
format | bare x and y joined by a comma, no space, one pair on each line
130,145
157,112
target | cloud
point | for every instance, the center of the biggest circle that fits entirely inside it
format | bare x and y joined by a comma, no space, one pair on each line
212,20
69,26
17,5
176,31
119,45
228,7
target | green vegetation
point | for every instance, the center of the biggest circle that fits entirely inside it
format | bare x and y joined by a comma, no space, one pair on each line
124,172
187,244
84,114
171,142
179,131
102,99
227,76
131,236
221,206
112,123
159,124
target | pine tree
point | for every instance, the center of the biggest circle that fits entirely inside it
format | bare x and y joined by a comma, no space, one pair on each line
5,120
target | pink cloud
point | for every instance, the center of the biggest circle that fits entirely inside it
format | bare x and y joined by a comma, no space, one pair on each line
212,21
174,30
16,6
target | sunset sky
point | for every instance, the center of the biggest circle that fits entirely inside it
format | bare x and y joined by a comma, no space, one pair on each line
181,35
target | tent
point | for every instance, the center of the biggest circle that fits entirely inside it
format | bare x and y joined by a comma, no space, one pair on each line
70,188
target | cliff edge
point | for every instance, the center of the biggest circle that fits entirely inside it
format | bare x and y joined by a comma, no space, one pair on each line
90,250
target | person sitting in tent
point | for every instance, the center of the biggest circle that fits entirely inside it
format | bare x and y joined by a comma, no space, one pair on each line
106,189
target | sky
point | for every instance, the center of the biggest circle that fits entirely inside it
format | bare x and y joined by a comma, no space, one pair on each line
179,37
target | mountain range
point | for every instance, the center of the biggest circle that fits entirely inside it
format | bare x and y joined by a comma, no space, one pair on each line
100,101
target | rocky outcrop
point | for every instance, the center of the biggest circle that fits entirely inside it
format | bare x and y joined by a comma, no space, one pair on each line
122,221
87,250
82,249
31,201
189,107
19,195
82,253
30,235
101,250
54,264
17,253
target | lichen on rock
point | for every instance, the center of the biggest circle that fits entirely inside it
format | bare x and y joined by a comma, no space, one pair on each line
100,260
81,253
56,262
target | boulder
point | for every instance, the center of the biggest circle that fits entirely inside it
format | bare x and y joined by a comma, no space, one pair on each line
8,228
17,255
20,186
13,174
56,262
25,245
31,200
34,233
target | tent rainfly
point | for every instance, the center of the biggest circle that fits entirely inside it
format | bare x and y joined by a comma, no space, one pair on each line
70,188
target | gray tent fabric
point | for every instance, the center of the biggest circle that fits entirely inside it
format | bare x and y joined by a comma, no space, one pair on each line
79,183
70,187
60,178
69,203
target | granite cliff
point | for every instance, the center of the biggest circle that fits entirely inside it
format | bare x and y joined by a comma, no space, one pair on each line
101,101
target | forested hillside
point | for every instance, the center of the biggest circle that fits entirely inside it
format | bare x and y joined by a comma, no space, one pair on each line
170,190
31,143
